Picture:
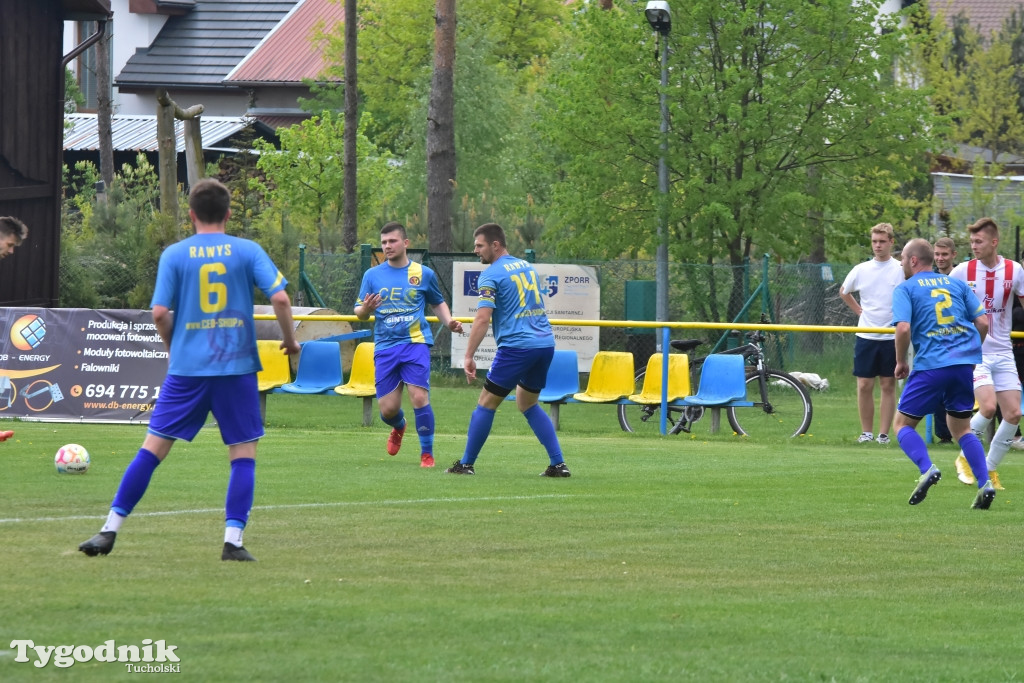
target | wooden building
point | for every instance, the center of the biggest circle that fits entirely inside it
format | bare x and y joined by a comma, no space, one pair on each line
31,139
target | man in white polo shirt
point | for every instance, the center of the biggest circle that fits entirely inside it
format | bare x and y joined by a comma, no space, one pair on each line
874,354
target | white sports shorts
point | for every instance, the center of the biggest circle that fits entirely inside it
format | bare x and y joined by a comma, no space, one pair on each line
997,370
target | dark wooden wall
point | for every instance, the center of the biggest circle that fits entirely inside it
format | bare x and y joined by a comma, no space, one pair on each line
31,135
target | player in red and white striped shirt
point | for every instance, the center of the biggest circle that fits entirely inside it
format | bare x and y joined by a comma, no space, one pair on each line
995,280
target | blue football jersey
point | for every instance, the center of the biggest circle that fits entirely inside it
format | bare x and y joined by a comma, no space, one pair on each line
509,286
401,317
208,281
941,312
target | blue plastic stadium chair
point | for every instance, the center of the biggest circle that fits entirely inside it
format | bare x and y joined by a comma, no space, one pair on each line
722,379
319,369
563,377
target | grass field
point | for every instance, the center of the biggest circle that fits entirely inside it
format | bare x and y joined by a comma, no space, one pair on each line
703,558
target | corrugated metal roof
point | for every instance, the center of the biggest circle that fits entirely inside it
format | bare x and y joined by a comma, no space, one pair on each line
291,52
199,49
139,132
276,121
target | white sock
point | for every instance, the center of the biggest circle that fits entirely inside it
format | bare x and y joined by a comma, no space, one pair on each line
233,535
980,423
114,522
1000,444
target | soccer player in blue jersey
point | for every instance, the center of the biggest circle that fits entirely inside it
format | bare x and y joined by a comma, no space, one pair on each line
397,293
510,299
203,310
947,324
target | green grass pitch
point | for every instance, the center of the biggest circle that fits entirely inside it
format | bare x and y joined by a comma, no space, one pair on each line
704,558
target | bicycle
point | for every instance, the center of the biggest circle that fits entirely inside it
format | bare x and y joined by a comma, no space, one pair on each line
782,404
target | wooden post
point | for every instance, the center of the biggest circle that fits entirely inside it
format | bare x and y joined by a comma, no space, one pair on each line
195,165
167,149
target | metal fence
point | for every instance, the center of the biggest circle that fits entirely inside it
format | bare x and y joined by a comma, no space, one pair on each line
804,294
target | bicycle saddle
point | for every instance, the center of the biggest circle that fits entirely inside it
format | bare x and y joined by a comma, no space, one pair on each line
685,344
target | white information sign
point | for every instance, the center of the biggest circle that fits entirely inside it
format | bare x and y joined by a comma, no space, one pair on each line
570,292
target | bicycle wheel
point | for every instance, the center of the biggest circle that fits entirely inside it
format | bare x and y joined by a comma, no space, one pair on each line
643,419
784,412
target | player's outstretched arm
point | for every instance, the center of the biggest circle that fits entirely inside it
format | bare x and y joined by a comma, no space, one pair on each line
981,322
371,302
444,314
163,318
476,335
283,310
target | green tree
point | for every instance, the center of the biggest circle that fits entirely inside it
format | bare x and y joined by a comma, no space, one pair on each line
761,94
993,120
975,80
396,43
305,178
110,247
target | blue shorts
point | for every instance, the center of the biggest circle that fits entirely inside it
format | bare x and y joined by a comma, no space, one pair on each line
185,402
926,391
874,358
526,367
409,363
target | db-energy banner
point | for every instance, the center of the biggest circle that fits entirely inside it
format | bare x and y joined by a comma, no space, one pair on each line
79,364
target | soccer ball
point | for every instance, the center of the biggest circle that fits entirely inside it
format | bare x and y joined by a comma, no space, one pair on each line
72,459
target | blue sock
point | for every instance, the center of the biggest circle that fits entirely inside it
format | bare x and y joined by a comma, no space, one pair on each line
134,482
541,425
397,420
913,445
479,429
425,428
241,489
975,454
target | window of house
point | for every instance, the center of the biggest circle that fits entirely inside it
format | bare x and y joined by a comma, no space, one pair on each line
85,69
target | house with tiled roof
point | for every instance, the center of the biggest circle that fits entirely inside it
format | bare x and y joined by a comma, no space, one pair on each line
987,16
243,58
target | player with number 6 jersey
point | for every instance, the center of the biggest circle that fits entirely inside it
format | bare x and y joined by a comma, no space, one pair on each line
203,310
207,281
994,280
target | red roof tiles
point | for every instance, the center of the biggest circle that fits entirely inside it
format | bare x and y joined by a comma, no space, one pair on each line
291,52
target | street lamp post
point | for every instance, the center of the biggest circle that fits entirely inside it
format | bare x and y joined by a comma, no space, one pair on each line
660,19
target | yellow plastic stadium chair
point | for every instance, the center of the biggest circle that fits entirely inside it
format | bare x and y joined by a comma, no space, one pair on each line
361,380
276,372
611,378
276,367
678,379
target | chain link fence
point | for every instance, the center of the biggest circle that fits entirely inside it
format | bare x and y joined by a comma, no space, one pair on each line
802,294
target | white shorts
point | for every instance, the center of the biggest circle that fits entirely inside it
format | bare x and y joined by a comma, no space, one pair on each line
998,370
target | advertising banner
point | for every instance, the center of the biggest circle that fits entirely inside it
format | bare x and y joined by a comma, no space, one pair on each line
570,292
79,364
